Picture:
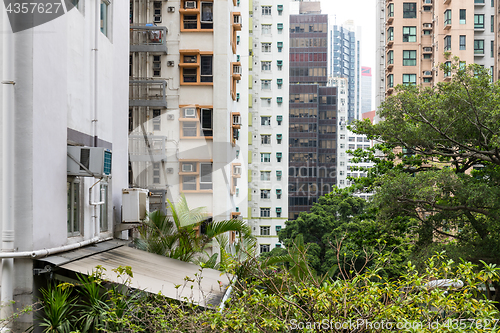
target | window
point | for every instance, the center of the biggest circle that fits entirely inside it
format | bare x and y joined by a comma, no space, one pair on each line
265,212
390,34
279,63
492,49
462,16
447,43
462,42
278,193
265,194
196,68
265,231
427,56
265,139
156,173
103,214
462,65
266,29
409,9
157,11
447,17
266,47
279,82
280,28
447,71
265,65
265,157
196,176
280,46
266,10
198,18
492,25
390,57
156,119
427,32
390,10
479,46
265,121
265,84
278,211
280,9
410,79
278,175
74,194
409,58
409,34
196,122
279,119
279,156
156,66
105,17
279,137
265,176
265,248
478,21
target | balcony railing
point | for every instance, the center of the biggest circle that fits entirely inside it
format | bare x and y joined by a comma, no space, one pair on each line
147,148
148,38
147,93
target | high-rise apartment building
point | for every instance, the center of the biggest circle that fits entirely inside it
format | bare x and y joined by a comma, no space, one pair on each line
184,122
313,111
345,62
416,37
263,52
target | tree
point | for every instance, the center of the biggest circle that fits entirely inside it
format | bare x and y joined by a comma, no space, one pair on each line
340,229
181,237
447,174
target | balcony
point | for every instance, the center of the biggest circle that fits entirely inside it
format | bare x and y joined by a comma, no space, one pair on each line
147,148
148,93
148,38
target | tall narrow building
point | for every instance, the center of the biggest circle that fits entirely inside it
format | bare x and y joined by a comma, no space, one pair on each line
313,110
263,52
416,37
345,62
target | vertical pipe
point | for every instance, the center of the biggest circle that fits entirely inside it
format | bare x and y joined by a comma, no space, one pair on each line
8,122
96,95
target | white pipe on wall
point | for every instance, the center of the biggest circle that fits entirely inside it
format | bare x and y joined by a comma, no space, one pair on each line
8,132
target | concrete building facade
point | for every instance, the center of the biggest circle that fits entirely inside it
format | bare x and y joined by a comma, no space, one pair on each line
69,79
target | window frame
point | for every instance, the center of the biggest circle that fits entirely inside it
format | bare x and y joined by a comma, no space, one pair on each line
463,16
409,10
74,197
462,44
477,42
408,35
264,210
409,81
479,21
197,13
409,57
197,65
197,174
266,10
447,43
197,119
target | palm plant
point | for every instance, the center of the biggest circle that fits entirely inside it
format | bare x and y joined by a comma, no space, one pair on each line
180,237
58,307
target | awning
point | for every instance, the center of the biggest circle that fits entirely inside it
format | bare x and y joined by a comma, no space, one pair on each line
151,272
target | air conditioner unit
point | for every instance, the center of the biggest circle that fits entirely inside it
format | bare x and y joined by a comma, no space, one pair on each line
190,5
427,49
427,1
170,117
135,205
237,19
187,167
237,69
237,170
190,113
171,9
427,25
89,161
170,63
170,170
427,73
157,19
236,120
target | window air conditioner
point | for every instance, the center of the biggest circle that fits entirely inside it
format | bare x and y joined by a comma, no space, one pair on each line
237,170
190,5
171,9
427,73
89,161
187,167
170,63
157,19
189,113
427,25
237,69
170,117
236,120
237,19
